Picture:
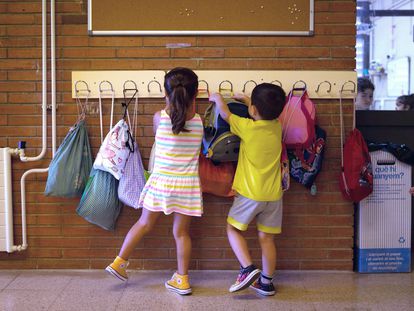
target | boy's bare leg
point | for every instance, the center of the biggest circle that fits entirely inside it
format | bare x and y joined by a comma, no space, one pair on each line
144,225
182,238
268,247
239,246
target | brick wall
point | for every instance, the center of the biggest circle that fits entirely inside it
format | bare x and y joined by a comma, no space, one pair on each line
317,230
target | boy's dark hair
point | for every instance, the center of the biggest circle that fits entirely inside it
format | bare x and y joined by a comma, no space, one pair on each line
181,85
269,99
365,84
407,101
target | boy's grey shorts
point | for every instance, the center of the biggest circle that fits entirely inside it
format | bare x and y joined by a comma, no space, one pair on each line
268,214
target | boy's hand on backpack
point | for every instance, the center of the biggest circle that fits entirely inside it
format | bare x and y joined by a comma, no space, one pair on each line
412,190
242,98
216,98
223,109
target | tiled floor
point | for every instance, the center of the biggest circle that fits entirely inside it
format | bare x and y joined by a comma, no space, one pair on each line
297,290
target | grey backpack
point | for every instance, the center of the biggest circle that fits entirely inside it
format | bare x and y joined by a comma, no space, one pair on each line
219,144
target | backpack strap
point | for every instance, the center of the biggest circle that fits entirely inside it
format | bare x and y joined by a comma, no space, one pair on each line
309,122
341,119
102,92
216,116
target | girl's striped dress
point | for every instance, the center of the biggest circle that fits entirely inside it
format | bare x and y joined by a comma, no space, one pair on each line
174,185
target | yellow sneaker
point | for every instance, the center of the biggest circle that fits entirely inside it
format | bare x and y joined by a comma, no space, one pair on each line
118,268
179,284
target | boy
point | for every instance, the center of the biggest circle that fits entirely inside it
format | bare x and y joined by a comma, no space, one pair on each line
257,183
365,94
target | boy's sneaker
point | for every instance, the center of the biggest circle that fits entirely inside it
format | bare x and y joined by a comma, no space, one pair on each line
179,284
118,268
245,278
263,289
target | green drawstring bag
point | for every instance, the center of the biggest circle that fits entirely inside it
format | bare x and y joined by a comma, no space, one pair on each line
69,169
100,204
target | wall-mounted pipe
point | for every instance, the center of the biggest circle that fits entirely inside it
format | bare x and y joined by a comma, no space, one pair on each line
23,158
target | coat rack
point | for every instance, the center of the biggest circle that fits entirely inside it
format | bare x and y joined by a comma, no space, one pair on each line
319,84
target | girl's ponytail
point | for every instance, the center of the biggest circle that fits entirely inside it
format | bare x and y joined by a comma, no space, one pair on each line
181,85
178,108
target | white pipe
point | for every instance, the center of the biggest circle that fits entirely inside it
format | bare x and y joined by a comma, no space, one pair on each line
53,72
24,244
23,157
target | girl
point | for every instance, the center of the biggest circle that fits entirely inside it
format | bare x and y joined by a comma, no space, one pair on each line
174,185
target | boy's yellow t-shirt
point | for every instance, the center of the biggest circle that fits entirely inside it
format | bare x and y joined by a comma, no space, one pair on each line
258,169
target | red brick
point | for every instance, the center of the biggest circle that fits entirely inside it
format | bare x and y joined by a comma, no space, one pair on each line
142,52
24,31
16,19
88,53
198,53
266,52
304,52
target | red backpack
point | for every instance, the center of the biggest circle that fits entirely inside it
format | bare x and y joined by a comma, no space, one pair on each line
356,180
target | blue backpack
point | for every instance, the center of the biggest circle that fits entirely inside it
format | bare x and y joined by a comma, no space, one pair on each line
219,144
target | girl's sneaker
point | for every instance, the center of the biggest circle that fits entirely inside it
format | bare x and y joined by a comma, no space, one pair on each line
263,289
179,284
245,278
118,268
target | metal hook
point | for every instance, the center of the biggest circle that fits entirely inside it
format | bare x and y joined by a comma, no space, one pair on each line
244,86
299,88
352,90
110,84
207,89
226,81
277,81
79,90
127,89
153,81
329,83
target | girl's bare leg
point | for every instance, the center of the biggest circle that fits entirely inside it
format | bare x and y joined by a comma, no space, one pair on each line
144,225
182,238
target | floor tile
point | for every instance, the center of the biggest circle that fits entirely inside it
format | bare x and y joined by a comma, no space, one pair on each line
6,278
40,280
26,300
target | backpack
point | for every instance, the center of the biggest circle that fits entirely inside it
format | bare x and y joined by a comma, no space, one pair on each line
216,178
400,151
356,180
284,168
298,120
70,167
219,144
305,164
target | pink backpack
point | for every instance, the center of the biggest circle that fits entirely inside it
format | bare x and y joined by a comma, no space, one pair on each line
298,120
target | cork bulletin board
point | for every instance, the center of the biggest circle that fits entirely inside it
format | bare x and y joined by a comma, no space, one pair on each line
195,17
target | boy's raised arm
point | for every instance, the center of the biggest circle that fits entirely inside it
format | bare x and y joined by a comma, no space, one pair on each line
221,105
242,98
